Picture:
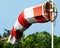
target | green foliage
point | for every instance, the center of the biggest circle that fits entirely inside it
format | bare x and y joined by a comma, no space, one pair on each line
6,33
0,36
1,43
36,40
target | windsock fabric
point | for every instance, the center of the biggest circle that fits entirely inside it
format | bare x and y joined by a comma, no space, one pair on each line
25,19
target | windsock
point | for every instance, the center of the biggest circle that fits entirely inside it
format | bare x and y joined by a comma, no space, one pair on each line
35,14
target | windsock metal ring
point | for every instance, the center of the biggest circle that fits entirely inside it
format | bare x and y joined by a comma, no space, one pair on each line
49,10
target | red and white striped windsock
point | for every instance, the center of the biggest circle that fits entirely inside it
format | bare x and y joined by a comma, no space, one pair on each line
25,19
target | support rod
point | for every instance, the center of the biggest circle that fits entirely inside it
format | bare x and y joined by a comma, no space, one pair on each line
52,42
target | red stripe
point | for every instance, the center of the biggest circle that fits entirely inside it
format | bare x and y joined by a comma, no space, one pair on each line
38,14
38,11
40,19
17,34
23,21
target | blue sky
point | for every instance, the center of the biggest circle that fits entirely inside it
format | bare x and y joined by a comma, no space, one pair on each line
10,9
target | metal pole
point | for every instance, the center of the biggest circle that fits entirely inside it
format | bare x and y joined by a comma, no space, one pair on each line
52,44
52,34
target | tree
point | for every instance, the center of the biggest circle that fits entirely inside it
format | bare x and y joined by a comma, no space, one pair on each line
1,43
7,32
0,36
35,40
4,35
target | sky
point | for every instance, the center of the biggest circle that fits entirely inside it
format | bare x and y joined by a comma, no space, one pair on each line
10,9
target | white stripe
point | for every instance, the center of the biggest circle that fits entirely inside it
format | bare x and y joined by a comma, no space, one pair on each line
29,15
18,26
42,10
11,39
